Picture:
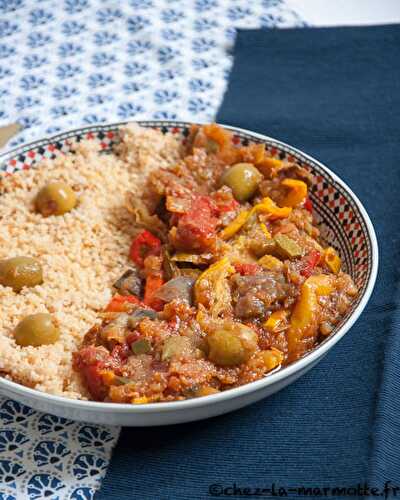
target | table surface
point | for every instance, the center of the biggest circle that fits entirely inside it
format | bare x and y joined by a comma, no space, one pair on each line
346,12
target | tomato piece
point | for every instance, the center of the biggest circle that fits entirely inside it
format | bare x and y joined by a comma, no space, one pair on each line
196,229
90,362
93,362
246,269
310,261
153,283
308,205
119,302
94,382
228,205
143,245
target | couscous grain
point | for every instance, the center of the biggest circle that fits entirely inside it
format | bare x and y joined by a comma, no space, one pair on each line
82,252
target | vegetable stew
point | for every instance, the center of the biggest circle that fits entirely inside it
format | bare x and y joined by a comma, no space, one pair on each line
228,278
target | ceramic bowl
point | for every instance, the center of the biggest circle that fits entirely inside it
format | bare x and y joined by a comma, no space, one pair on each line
344,223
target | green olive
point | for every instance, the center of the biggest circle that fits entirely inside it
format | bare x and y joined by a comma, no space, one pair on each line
243,179
18,272
35,330
56,198
232,344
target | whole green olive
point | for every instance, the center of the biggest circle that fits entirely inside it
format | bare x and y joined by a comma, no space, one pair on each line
18,272
243,179
56,198
232,344
36,330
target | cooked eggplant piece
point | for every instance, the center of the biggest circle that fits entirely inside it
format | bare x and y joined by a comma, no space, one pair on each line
293,170
130,283
137,316
180,288
171,270
162,212
115,329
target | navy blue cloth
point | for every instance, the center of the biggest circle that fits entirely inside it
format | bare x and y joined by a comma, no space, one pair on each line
335,93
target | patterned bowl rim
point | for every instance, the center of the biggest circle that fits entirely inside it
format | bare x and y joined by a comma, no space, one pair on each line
287,372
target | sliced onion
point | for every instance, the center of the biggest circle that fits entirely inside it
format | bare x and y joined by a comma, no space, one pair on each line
178,204
142,216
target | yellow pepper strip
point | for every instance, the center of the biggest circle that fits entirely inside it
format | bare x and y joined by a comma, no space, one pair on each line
297,193
272,358
140,401
108,377
332,260
277,321
304,320
212,288
235,225
192,258
265,231
221,265
273,163
270,262
269,207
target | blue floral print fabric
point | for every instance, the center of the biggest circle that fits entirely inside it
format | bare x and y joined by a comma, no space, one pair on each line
67,63
43,456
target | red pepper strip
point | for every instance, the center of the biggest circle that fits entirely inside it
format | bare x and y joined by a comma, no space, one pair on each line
246,269
143,245
118,302
308,205
310,261
153,283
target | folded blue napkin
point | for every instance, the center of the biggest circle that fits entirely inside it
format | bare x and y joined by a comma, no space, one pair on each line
334,93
